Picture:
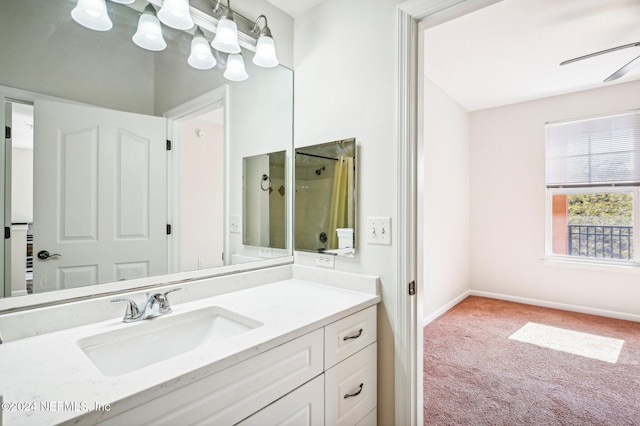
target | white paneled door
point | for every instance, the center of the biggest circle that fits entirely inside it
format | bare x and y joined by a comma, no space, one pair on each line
100,199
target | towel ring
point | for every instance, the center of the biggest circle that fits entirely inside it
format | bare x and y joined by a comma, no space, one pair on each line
264,179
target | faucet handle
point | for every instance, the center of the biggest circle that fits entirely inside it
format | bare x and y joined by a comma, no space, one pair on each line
132,313
171,291
165,306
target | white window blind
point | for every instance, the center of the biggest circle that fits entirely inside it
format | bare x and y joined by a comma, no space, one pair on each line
594,152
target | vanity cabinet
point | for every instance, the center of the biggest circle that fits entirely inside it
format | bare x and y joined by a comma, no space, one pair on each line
326,377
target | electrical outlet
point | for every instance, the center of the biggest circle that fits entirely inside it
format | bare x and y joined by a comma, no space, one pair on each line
200,263
235,223
379,230
266,252
325,260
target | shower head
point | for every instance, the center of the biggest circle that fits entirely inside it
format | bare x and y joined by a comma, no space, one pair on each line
320,170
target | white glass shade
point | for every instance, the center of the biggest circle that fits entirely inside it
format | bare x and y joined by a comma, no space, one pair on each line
226,39
265,53
149,34
123,1
235,68
92,14
175,14
201,57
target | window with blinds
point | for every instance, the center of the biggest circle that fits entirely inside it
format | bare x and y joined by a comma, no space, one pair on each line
593,188
591,152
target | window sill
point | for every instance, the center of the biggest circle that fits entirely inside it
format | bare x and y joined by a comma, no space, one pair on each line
593,265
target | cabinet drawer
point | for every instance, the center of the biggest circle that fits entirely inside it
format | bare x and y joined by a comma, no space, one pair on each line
351,388
347,336
302,407
226,397
371,419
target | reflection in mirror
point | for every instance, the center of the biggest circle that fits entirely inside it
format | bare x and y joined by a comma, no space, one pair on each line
264,202
325,199
84,211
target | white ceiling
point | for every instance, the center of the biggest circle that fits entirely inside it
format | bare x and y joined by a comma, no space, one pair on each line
295,7
510,51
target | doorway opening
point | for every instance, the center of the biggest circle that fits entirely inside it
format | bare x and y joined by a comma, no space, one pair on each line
19,198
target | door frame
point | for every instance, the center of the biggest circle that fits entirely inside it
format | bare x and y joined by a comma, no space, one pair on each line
176,116
412,17
7,168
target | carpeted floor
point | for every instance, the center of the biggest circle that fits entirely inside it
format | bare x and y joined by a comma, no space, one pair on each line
475,375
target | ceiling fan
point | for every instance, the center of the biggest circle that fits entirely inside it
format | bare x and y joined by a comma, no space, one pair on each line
622,71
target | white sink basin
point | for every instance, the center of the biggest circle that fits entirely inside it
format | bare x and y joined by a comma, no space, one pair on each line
154,340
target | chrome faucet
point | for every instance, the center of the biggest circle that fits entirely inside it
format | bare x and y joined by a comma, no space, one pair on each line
157,304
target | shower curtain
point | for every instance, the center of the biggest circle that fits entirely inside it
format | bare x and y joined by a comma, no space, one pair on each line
341,214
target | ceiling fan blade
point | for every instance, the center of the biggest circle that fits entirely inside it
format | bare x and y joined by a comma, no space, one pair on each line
622,71
602,52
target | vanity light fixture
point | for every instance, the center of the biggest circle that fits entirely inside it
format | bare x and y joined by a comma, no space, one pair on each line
265,55
175,14
235,70
149,33
226,39
92,14
201,57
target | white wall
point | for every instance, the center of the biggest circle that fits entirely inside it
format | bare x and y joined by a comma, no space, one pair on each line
260,119
344,87
47,52
508,205
445,236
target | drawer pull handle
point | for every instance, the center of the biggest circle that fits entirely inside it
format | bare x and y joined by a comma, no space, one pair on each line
356,393
345,338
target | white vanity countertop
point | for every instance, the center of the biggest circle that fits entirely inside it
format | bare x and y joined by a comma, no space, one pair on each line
52,381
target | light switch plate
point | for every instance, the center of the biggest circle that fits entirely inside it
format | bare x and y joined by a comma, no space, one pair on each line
325,260
379,230
235,223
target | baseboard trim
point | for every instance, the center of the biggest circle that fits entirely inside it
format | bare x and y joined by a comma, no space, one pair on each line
445,308
555,305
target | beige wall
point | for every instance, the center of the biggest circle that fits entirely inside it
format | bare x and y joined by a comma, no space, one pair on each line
445,238
508,205
22,185
202,195
344,87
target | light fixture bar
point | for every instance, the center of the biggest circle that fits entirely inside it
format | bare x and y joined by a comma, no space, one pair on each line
208,22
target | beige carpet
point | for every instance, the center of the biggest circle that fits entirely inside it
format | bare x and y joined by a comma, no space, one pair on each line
490,362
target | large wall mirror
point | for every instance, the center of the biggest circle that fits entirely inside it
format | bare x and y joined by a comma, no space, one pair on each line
93,192
325,199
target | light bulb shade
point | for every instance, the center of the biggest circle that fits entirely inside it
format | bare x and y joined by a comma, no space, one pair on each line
201,57
123,1
226,39
265,53
92,14
175,14
149,34
235,68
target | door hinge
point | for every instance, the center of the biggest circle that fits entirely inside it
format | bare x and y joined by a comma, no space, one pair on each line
412,288
168,229
168,145
7,132
7,232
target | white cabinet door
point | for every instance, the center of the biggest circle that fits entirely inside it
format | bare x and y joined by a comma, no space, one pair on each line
302,407
233,394
100,199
